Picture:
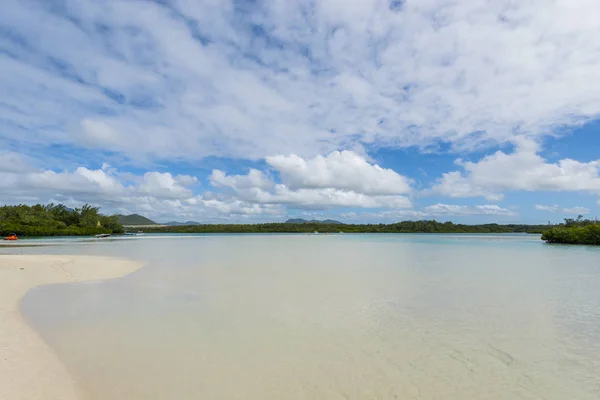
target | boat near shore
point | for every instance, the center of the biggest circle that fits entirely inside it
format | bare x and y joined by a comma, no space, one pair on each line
102,235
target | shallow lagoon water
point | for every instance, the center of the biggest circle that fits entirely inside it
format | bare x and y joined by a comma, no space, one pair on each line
330,316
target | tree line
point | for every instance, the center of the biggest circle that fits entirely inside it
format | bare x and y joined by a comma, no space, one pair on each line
574,231
59,220
426,226
56,220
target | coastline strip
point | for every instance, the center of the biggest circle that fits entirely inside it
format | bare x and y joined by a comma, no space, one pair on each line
29,369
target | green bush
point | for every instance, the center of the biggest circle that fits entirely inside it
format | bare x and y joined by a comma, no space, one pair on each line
55,220
588,233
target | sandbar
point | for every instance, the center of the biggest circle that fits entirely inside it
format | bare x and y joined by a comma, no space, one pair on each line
29,369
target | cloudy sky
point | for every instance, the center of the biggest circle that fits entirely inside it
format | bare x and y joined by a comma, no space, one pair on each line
259,110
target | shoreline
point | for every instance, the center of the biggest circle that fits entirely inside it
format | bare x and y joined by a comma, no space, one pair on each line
28,366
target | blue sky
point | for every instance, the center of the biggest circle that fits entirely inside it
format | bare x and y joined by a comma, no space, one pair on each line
248,111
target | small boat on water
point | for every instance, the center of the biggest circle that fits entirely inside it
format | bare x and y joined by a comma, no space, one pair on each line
11,236
102,235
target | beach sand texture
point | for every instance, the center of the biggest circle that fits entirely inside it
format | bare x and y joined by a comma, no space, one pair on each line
29,369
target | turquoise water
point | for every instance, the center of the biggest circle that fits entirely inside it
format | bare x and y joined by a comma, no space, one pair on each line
330,316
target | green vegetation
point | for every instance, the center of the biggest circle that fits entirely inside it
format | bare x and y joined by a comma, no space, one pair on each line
574,231
55,220
400,227
59,220
134,219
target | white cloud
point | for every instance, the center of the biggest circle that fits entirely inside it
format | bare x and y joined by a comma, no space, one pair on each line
190,79
555,208
254,179
436,211
523,170
339,170
158,195
341,179
164,185
100,184
383,216
81,181
461,210
99,133
12,162
577,210
254,196
328,197
238,207
161,193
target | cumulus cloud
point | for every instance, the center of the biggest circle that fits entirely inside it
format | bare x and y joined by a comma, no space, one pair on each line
97,184
341,179
156,194
338,181
189,79
523,170
82,181
238,207
339,170
254,179
327,197
165,185
555,208
253,194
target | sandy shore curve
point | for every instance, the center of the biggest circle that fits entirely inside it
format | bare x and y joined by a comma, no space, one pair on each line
29,369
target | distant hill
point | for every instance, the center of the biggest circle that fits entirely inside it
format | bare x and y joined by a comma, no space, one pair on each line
134,219
314,221
186,223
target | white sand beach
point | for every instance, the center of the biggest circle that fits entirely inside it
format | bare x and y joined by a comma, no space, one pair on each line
29,370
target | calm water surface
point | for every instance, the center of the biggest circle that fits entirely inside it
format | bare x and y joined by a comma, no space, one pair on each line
330,317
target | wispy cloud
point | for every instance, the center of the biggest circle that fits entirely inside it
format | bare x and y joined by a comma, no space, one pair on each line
460,210
568,210
439,211
188,79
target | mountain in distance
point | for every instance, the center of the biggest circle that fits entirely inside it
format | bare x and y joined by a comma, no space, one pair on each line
134,219
314,221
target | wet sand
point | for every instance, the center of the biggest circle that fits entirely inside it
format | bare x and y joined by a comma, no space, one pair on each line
29,369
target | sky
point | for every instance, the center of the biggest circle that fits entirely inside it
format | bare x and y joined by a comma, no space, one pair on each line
221,111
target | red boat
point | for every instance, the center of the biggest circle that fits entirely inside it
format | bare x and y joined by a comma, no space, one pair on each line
12,236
